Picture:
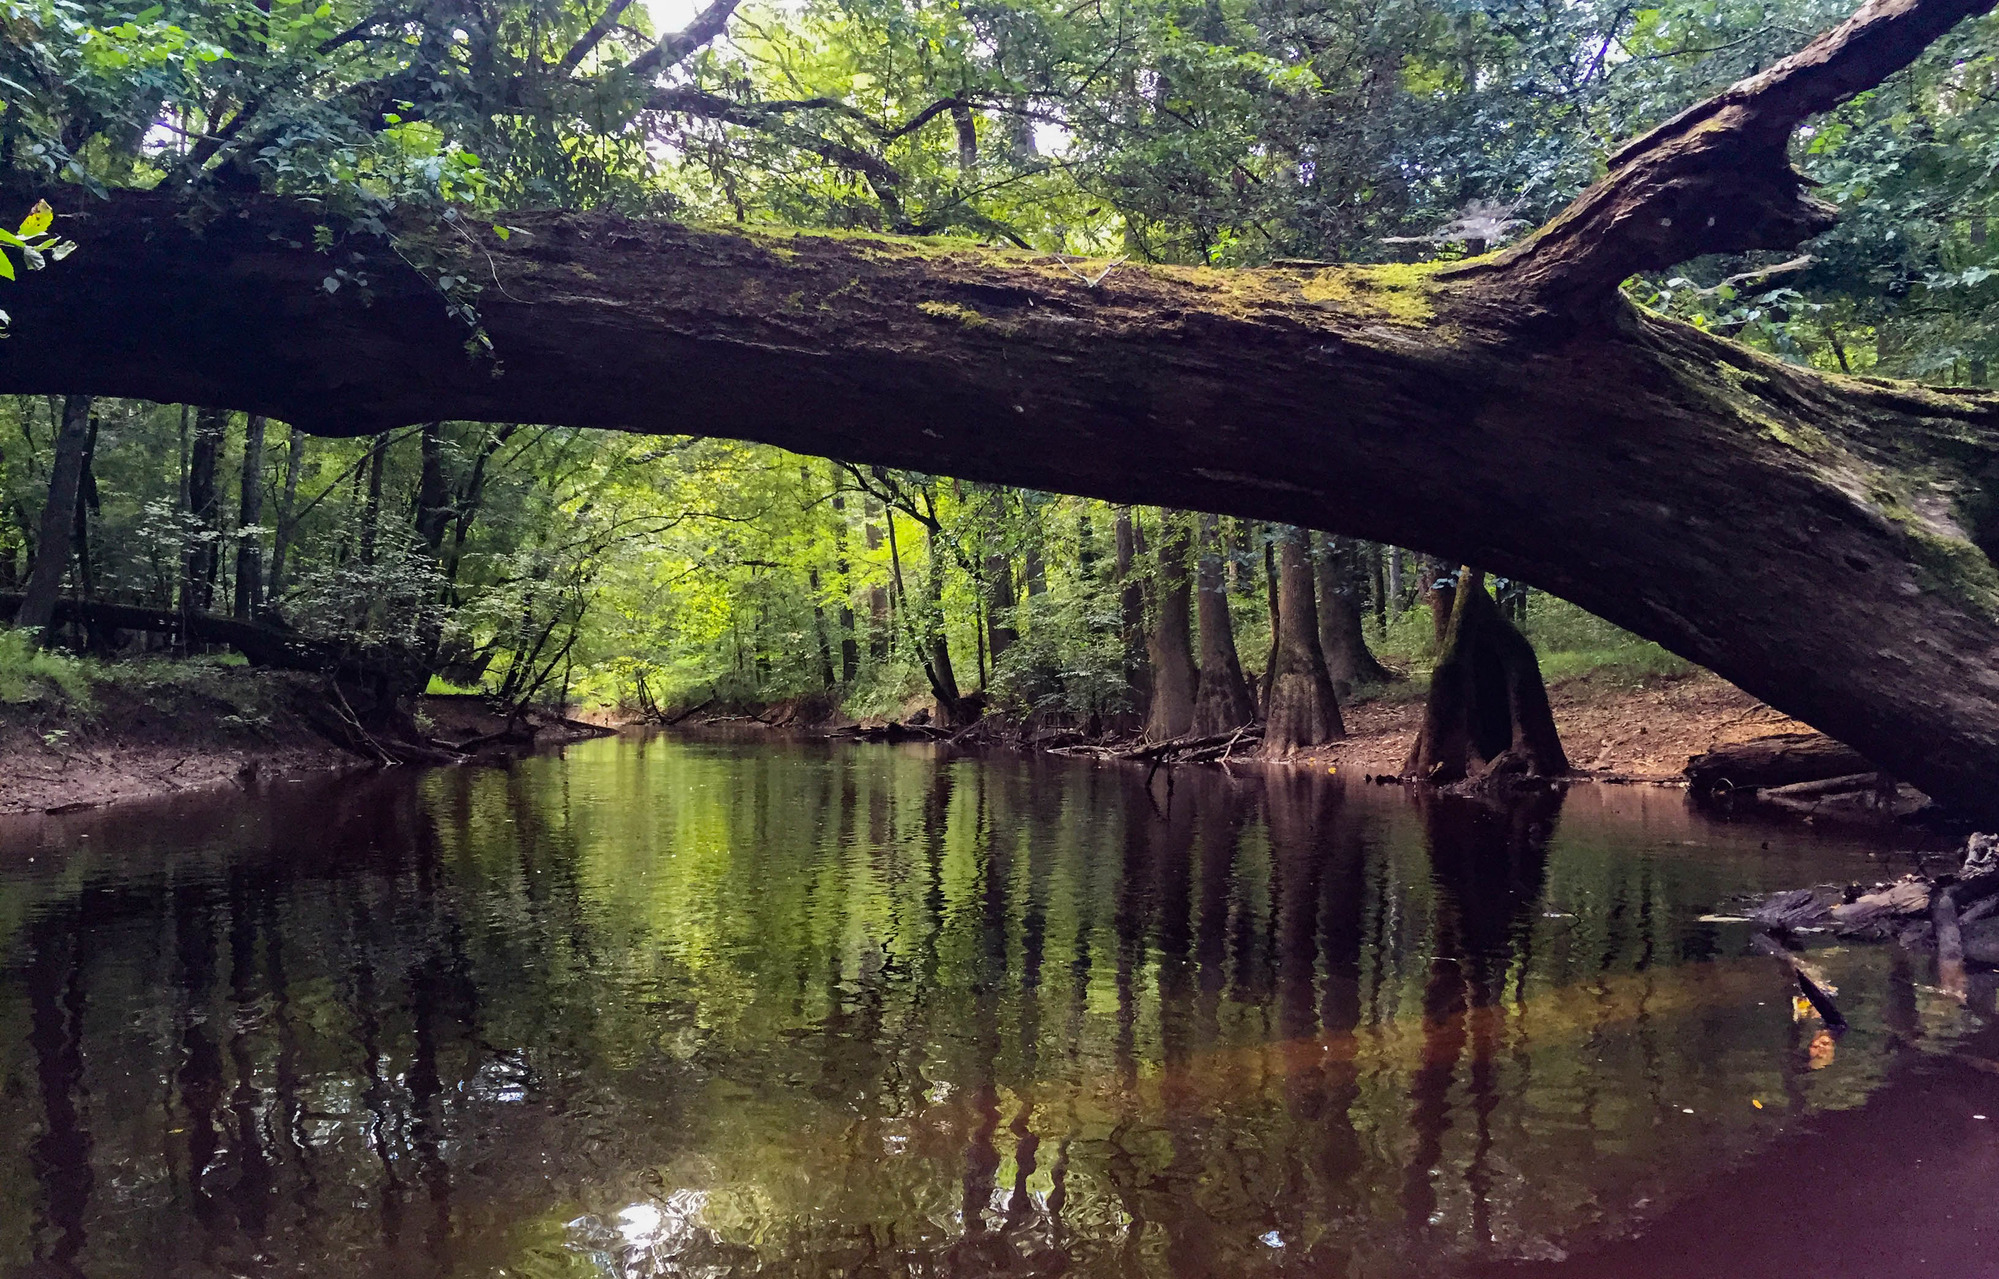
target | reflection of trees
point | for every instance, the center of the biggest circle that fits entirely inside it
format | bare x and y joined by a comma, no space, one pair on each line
1487,862
860,1010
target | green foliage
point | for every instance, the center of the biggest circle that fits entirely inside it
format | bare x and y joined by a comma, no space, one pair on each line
30,673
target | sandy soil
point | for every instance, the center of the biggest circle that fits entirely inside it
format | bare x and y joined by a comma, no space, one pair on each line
1609,729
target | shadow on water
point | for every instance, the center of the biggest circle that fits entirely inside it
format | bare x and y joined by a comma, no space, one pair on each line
662,1009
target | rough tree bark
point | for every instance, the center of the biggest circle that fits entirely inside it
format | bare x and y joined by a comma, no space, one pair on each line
1302,710
1221,700
1487,715
1170,646
1336,567
52,548
1784,528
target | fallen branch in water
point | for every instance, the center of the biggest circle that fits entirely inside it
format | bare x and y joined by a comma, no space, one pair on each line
1809,981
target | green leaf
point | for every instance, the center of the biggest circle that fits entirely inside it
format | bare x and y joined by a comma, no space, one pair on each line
6,267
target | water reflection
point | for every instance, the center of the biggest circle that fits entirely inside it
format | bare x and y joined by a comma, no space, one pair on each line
660,1009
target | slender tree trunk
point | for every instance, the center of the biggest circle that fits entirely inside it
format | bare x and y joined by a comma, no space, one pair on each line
199,563
287,503
1395,581
1000,632
944,679
371,514
1487,717
1170,646
1131,611
827,677
1221,701
59,513
1304,711
1335,563
433,492
249,514
850,648
88,504
1270,594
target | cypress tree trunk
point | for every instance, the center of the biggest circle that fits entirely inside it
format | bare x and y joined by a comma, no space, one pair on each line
201,559
1170,646
1221,701
1487,717
249,513
59,515
1304,711
1336,565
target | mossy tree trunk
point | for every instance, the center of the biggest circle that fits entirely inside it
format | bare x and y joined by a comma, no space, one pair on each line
1170,646
1303,709
1221,699
1487,716
1781,527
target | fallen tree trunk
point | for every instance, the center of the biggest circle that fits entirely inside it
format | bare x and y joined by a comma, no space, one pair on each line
1783,759
260,644
1822,542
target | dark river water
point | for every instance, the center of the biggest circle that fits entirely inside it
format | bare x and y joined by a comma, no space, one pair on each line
660,1008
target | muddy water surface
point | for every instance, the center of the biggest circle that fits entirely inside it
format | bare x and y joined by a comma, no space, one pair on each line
658,1008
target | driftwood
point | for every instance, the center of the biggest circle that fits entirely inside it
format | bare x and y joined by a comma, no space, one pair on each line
892,731
1786,760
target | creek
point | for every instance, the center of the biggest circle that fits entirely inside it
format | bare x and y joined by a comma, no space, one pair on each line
666,1007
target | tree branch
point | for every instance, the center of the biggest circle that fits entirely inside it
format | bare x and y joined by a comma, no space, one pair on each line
592,38
675,47
1716,177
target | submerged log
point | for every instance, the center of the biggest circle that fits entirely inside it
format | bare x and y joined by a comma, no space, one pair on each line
1513,410
1783,759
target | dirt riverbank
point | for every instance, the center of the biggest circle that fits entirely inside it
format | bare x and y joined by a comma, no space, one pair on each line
172,727
183,727
193,727
1609,727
